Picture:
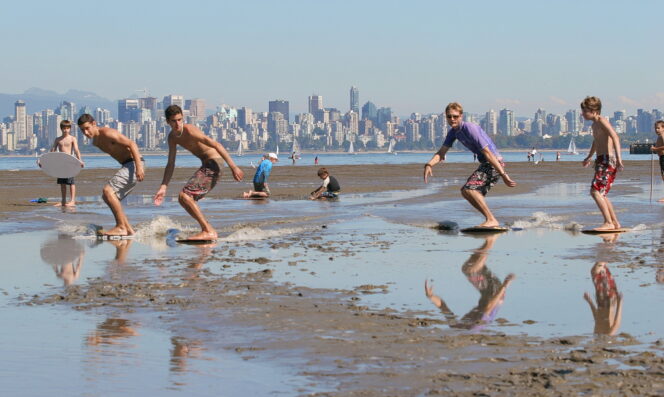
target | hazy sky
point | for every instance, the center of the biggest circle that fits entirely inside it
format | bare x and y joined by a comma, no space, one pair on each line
414,56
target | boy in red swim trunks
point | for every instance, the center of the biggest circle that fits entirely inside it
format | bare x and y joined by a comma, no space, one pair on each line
211,154
608,162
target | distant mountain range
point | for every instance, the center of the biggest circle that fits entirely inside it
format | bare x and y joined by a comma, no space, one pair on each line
37,99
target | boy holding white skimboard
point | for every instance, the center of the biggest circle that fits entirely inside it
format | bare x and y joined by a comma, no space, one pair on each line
66,143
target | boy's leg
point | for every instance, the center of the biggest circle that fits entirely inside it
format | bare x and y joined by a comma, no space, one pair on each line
476,199
72,195
476,187
605,208
63,195
122,226
189,204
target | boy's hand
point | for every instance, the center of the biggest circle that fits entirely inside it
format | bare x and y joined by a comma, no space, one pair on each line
586,162
140,174
428,171
619,165
238,174
508,181
159,196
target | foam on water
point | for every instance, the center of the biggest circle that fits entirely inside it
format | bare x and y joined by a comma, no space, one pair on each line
541,219
254,233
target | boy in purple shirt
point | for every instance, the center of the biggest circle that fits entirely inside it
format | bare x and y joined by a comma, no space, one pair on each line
491,163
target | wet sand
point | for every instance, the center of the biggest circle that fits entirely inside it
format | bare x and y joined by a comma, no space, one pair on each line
332,338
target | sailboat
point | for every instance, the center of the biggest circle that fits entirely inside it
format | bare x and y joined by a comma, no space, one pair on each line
295,150
390,149
239,149
572,147
351,149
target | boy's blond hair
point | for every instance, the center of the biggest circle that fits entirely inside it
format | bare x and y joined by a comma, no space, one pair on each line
592,104
454,106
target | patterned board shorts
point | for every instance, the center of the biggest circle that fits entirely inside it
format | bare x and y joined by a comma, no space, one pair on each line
204,179
484,177
605,174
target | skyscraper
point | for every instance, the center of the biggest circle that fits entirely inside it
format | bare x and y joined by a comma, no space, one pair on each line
127,110
355,99
369,111
173,100
506,122
21,131
196,108
491,123
315,103
281,106
244,117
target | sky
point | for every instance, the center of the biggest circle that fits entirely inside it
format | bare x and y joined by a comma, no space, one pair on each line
412,56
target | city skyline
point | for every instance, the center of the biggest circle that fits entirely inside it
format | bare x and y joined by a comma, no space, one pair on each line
412,57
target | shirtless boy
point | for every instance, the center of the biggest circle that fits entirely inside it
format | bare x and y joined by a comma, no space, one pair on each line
607,163
210,153
491,163
659,147
124,151
67,144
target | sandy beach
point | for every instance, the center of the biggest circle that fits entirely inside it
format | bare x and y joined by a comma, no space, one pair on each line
331,295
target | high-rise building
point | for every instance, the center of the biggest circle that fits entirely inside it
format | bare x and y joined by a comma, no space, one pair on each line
491,122
573,121
369,111
68,111
244,117
355,99
102,116
506,122
384,115
644,121
150,103
173,100
21,131
127,110
315,103
196,108
281,106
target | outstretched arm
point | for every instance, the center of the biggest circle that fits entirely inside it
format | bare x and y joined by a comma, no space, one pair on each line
316,193
168,172
238,174
437,158
496,165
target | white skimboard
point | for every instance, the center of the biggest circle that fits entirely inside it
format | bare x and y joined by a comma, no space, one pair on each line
60,165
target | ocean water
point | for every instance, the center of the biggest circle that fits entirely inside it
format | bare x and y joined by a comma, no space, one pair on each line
382,245
324,159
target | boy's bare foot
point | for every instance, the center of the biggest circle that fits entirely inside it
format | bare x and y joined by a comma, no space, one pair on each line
70,204
203,236
59,204
605,226
246,194
489,224
118,231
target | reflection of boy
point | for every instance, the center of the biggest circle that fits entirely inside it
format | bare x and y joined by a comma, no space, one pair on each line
66,144
608,312
608,162
491,289
659,147
261,189
329,189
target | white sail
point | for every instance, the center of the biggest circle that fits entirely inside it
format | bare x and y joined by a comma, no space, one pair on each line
390,148
351,149
572,147
239,149
295,150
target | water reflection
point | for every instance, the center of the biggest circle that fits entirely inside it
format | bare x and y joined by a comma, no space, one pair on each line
183,349
607,310
491,289
65,256
112,331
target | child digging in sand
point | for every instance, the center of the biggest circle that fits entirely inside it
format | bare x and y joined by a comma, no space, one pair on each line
607,163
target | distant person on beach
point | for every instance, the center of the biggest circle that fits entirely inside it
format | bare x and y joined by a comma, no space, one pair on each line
491,163
210,152
608,162
659,147
491,289
124,151
316,160
607,313
66,143
557,156
261,188
330,188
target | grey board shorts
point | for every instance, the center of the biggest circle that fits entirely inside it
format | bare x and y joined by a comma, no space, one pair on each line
124,181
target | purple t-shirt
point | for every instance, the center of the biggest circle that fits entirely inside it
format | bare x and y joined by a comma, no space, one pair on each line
474,138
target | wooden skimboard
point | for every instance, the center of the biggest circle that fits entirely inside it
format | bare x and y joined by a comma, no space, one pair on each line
482,229
593,231
60,165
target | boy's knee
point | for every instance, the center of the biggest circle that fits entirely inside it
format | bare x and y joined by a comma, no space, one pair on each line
108,191
184,198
